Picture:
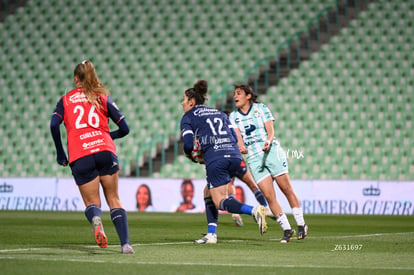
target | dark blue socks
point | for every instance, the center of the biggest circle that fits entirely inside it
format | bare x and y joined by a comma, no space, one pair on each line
260,197
212,215
92,211
120,220
234,206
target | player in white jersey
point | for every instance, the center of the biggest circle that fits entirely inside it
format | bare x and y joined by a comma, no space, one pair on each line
253,123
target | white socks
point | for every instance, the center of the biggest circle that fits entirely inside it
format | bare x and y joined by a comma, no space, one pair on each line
298,215
283,221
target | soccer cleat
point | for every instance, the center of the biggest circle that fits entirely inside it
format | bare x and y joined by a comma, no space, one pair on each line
99,233
287,234
127,249
207,239
259,216
238,221
302,232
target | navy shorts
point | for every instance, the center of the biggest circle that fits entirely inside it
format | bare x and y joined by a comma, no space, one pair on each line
220,172
89,167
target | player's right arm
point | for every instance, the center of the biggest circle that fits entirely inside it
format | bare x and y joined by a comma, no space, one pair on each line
240,142
188,137
55,122
235,127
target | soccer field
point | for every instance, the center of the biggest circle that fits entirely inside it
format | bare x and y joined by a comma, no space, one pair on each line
62,243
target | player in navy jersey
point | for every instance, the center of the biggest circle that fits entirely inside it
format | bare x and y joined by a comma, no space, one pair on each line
92,157
221,156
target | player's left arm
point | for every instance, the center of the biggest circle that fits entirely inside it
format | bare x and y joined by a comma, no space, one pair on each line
118,118
268,122
270,134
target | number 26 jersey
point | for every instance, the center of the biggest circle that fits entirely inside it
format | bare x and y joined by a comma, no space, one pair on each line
86,125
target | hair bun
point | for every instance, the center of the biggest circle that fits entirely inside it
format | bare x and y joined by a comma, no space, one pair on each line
201,87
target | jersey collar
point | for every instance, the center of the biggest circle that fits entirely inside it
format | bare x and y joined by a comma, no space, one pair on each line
248,111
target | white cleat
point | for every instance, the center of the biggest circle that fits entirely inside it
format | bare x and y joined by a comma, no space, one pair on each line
259,216
207,239
127,249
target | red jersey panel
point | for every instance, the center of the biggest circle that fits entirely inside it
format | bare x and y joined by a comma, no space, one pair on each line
86,126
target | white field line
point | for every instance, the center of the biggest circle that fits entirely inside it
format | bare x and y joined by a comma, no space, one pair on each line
221,241
127,260
366,235
23,249
355,236
4,255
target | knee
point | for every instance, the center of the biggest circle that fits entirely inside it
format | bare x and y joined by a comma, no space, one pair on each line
219,204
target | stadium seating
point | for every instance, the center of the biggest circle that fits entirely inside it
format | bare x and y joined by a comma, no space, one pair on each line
148,52
348,106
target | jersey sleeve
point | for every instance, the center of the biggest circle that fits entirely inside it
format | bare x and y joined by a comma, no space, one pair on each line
187,134
55,122
232,119
113,111
115,114
59,109
267,113
226,120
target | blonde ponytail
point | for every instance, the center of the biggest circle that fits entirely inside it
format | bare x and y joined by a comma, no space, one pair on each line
90,83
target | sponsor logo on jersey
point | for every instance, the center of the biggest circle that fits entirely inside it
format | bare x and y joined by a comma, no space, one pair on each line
249,129
78,97
88,145
205,111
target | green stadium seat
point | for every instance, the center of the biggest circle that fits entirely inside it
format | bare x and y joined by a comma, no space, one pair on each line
170,54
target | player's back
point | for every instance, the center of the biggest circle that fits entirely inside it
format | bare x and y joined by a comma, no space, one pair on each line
86,125
212,127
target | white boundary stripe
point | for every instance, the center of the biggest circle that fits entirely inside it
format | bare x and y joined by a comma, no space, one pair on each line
365,235
239,264
34,257
374,235
23,249
355,236
221,241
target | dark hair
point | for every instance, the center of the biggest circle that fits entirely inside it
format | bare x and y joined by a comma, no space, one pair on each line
149,195
248,90
198,92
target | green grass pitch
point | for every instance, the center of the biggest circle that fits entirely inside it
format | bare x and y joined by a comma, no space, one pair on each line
62,243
